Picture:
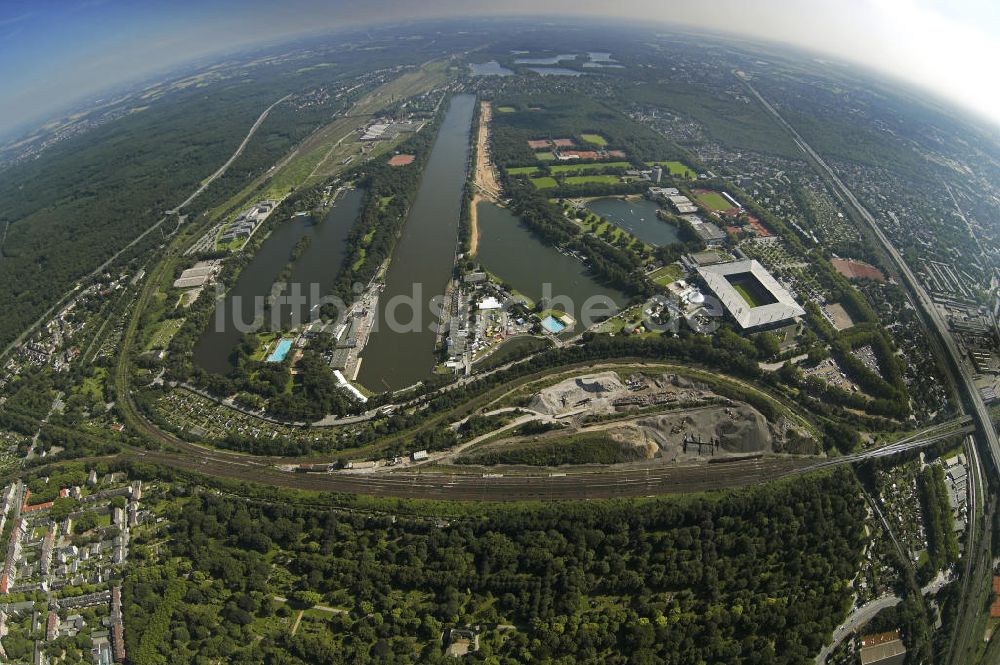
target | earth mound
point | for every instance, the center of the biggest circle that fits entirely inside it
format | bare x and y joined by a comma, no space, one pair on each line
594,392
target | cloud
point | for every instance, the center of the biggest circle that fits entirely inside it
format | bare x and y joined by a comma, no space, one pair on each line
945,46
941,51
4,22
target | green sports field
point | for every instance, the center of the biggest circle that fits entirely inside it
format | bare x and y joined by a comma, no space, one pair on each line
585,179
506,109
569,168
522,170
545,182
544,156
596,139
753,291
676,169
713,201
745,292
667,274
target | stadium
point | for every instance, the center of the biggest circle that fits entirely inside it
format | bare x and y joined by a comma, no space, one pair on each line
750,294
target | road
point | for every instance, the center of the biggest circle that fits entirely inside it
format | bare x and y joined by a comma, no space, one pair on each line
860,616
986,434
976,559
114,257
229,162
608,482
857,619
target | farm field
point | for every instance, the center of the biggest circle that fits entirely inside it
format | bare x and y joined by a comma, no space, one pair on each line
545,182
676,169
596,139
545,156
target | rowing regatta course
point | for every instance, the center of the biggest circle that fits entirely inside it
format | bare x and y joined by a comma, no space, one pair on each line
422,263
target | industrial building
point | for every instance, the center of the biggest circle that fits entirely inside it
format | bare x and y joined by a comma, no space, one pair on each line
387,131
198,274
709,233
244,226
883,649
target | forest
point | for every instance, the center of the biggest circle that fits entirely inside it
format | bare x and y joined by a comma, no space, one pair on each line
85,198
751,576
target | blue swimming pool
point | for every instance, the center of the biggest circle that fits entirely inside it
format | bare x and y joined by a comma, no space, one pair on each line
553,325
280,351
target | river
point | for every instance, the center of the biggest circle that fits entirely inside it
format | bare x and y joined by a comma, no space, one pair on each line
422,262
318,265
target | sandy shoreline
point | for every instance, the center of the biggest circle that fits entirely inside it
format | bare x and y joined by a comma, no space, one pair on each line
487,187
474,223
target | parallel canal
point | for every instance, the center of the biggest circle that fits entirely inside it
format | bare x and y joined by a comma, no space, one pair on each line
422,262
638,217
510,251
318,265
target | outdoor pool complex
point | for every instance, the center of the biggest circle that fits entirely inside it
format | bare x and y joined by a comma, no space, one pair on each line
553,325
280,351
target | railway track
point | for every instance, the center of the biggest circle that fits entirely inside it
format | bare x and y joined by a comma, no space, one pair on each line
603,483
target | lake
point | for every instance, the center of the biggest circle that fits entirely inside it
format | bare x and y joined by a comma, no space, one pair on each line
491,68
638,217
512,253
319,264
553,60
423,258
555,71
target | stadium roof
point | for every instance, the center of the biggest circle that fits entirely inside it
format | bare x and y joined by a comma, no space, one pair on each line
783,309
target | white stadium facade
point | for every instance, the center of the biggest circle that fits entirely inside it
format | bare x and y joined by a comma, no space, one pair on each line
751,295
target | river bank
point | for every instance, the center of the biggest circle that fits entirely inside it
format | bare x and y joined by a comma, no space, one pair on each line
487,185
400,351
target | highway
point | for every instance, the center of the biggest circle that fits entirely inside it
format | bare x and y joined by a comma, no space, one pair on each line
101,268
239,151
986,434
977,558
600,483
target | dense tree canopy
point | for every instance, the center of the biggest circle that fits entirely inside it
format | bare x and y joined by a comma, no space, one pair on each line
755,576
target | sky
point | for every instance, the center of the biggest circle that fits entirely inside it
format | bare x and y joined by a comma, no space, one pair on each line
53,52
